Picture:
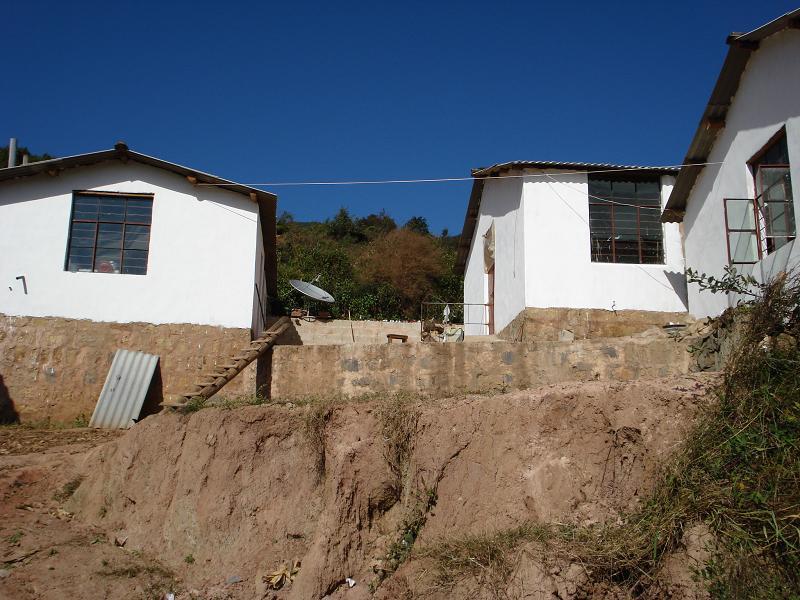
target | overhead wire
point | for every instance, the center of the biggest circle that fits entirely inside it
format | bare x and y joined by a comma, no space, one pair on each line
458,179
580,216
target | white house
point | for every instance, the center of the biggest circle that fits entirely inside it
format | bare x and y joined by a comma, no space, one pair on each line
115,249
581,237
738,204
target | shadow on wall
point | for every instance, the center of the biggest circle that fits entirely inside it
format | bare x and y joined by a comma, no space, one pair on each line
290,337
8,414
678,282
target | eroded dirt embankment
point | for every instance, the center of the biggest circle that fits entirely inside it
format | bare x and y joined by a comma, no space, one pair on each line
223,497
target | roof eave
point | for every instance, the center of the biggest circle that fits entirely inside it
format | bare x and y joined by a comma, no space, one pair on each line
470,223
122,153
712,122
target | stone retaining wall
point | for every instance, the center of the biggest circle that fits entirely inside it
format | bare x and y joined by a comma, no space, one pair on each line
567,324
55,368
338,331
299,371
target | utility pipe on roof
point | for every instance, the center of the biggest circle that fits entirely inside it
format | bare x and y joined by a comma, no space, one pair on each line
12,152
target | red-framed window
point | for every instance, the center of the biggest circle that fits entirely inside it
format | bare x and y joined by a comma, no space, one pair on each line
773,194
625,219
109,233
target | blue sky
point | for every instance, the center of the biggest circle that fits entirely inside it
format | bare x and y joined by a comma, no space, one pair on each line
288,91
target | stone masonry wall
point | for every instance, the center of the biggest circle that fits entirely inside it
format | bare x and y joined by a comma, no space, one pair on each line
338,331
567,324
299,371
55,368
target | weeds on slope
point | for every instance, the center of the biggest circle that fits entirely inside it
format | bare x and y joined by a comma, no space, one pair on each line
398,417
738,472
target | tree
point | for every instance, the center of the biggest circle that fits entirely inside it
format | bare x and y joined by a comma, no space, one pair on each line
21,151
285,222
343,227
417,225
409,261
373,226
372,268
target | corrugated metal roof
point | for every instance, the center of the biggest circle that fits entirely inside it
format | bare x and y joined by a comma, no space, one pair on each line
567,166
124,391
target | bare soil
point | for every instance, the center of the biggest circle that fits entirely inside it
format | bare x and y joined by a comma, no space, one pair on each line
44,552
208,505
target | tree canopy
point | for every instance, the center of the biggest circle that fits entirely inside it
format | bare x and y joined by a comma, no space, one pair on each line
374,269
21,151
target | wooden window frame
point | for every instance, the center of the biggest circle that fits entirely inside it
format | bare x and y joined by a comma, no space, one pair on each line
755,166
97,222
628,204
754,230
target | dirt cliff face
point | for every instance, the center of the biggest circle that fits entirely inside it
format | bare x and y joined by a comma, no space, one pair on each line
224,497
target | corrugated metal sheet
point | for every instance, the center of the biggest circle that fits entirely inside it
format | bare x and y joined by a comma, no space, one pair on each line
546,164
124,390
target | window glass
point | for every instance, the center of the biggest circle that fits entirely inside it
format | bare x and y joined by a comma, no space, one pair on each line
112,209
740,213
743,246
139,211
625,220
600,228
137,237
80,259
109,234
82,234
774,195
85,207
135,262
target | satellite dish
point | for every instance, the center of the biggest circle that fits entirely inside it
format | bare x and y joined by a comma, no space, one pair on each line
312,291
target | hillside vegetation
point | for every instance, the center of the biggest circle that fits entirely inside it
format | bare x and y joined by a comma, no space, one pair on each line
373,268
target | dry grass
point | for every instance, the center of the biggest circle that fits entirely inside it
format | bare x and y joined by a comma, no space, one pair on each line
398,417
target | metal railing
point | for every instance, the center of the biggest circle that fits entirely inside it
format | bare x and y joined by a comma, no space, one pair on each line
460,315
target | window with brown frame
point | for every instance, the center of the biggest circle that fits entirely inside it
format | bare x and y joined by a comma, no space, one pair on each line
773,194
741,220
109,233
625,220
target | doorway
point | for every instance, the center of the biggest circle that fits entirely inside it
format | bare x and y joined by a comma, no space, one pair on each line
490,302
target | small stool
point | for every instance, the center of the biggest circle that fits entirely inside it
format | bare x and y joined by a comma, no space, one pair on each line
396,336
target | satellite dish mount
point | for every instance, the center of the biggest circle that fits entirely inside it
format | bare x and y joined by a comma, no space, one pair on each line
309,290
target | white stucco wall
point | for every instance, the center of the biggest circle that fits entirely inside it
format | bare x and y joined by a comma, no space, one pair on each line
560,272
768,99
543,257
500,204
202,251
